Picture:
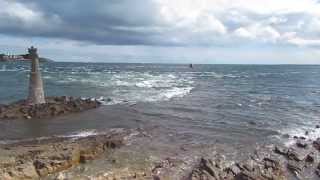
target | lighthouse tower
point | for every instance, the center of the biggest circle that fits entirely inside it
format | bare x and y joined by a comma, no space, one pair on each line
36,93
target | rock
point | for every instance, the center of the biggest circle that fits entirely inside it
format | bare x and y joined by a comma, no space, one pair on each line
234,169
298,155
301,144
295,167
109,99
55,106
28,170
281,150
317,171
271,163
287,136
207,169
61,176
317,126
9,115
316,144
7,159
21,171
302,138
310,157
209,166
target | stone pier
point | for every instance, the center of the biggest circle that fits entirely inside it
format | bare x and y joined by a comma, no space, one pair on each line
36,93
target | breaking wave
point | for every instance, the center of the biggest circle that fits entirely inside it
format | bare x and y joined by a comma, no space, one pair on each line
127,86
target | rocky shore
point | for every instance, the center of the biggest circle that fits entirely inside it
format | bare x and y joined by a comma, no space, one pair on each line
54,106
124,156
39,158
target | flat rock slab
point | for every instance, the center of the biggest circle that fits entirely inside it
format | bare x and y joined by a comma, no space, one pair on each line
54,106
39,159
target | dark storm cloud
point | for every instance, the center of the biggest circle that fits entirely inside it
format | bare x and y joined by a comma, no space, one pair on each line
163,22
114,22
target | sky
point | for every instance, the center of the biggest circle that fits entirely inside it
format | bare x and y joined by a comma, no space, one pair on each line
164,31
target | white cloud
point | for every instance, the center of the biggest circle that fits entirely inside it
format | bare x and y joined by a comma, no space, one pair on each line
188,23
18,14
304,42
277,20
19,11
258,32
262,21
243,33
314,25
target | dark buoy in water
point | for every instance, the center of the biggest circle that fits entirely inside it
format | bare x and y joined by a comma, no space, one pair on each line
191,65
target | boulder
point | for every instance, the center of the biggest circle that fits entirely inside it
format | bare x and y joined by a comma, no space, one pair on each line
301,144
316,144
281,150
295,167
298,155
23,171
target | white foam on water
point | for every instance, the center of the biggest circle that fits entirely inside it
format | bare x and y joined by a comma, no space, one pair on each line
129,86
81,134
74,135
4,68
175,92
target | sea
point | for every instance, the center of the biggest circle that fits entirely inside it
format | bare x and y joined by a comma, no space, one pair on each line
235,105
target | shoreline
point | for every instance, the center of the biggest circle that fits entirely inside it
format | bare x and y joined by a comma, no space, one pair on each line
128,153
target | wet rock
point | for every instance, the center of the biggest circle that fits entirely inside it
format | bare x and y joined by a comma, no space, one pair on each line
234,169
18,170
55,106
247,175
248,165
317,171
298,155
302,138
34,161
310,158
207,169
281,150
287,136
316,144
295,167
271,163
301,144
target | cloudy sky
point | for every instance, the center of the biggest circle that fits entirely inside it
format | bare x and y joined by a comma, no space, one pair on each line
165,31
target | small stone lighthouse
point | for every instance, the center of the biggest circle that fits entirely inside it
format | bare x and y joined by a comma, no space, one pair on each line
36,93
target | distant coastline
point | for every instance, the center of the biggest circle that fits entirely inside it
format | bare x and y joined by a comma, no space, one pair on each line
20,58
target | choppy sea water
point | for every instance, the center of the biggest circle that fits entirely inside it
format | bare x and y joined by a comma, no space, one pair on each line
227,104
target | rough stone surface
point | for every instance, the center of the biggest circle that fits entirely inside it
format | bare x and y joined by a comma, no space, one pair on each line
55,158
54,106
31,160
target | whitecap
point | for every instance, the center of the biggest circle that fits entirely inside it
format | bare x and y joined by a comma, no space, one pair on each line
81,134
